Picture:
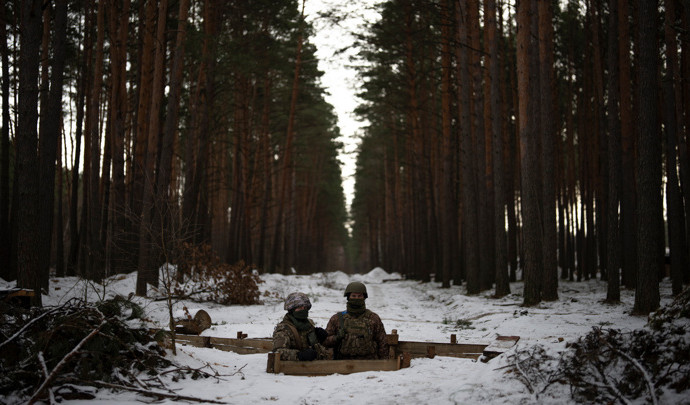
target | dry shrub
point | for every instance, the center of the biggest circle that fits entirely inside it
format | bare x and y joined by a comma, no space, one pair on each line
610,365
202,276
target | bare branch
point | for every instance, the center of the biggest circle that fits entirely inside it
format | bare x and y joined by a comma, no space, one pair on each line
64,361
149,393
645,374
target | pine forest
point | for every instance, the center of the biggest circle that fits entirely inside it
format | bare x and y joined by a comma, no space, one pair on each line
503,141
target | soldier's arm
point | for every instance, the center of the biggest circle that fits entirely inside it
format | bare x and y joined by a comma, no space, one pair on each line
380,337
283,343
332,331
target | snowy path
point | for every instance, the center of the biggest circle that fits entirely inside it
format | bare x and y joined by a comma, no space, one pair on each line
422,312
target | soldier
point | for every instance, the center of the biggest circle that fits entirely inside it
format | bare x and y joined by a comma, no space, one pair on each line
356,333
295,337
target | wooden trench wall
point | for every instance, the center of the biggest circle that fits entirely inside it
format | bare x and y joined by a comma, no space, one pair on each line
401,352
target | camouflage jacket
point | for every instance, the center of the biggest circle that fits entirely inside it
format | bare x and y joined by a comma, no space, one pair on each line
288,345
375,333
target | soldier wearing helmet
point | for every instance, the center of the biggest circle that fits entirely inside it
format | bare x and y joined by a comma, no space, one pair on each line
295,337
357,333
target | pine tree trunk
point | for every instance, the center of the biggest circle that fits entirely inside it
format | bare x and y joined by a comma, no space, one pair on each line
26,158
95,254
628,198
49,135
6,272
501,269
60,240
614,243
267,158
684,115
675,218
530,196
76,237
484,208
282,225
648,167
601,172
141,131
469,178
548,138
119,22
152,240
446,159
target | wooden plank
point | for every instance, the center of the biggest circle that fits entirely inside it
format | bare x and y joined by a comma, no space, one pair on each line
430,349
241,346
270,365
499,346
265,344
239,349
397,347
327,367
193,340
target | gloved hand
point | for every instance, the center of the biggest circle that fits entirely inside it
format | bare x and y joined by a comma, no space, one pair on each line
307,354
321,334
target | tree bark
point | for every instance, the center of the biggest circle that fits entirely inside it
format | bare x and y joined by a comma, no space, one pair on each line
614,243
148,236
445,197
280,241
119,24
469,178
675,214
26,160
548,138
628,198
95,259
500,241
76,237
7,272
49,135
648,167
532,263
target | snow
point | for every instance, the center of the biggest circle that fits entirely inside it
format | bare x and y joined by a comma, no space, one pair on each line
418,311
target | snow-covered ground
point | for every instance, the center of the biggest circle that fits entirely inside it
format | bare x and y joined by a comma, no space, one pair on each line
419,311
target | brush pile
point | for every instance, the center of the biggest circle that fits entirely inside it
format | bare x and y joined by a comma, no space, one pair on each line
66,352
610,365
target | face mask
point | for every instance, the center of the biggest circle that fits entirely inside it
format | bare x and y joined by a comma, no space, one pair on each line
301,315
356,306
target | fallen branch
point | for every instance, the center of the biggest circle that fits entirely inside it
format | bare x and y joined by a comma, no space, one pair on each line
524,375
64,361
645,374
609,386
148,393
25,327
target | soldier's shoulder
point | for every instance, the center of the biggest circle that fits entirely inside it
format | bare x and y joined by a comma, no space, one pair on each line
334,317
281,327
374,316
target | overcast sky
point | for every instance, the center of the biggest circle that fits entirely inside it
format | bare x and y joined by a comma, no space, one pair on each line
340,78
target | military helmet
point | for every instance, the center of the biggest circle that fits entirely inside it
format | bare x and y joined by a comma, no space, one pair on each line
296,300
356,287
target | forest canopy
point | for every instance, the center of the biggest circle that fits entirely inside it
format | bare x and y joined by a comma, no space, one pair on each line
535,140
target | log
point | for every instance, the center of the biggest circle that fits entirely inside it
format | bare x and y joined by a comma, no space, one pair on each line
196,325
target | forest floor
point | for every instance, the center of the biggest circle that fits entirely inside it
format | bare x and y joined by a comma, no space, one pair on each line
418,311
